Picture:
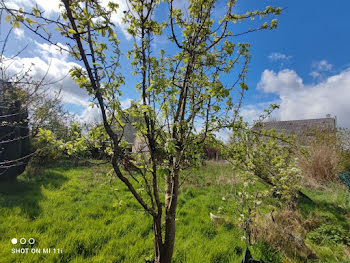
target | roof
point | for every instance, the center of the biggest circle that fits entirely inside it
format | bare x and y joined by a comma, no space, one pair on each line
129,132
298,127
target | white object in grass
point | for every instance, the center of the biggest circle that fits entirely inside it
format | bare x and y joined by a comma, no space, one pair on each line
216,219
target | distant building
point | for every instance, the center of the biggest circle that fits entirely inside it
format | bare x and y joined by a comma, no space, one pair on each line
136,143
303,129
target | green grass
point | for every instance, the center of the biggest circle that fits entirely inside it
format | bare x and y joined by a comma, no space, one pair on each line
78,210
330,208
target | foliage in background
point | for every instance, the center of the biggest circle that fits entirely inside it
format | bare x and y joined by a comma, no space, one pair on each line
15,147
268,156
261,155
326,156
48,114
343,141
27,104
320,161
74,145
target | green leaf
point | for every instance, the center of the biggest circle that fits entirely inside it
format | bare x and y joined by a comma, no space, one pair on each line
8,18
29,21
72,31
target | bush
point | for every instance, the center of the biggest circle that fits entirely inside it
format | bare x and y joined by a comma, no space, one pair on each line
321,160
269,156
45,155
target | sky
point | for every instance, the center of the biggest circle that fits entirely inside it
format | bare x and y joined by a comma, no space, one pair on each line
303,65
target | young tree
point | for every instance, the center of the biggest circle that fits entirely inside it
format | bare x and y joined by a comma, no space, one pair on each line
269,156
179,89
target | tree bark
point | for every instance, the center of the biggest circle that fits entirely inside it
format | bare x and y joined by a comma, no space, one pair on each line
169,242
164,251
171,194
158,243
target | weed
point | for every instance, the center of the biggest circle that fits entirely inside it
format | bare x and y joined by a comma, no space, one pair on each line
329,233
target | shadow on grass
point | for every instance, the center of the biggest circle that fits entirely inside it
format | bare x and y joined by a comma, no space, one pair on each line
322,207
26,193
62,165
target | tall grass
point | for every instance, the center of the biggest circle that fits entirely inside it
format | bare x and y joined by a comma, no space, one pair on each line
321,163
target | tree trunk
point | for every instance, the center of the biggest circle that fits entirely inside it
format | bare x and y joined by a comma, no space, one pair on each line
169,242
164,250
158,243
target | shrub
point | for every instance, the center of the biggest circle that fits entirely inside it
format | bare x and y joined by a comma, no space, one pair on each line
269,156
321,163
321,160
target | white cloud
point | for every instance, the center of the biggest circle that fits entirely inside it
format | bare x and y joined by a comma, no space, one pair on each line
19,33
49,51
50,7
12,4
322,65
250,113
55,68
125,103
55,65
315,74
278,56
90,115
224,135
300,101
284,81
320,68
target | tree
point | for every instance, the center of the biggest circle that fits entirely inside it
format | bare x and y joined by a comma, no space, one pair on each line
269,156
177,89
25,106
14,132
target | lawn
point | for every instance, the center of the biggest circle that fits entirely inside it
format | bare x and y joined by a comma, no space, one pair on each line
92,218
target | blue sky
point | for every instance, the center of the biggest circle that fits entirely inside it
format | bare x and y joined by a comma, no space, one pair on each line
303,65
